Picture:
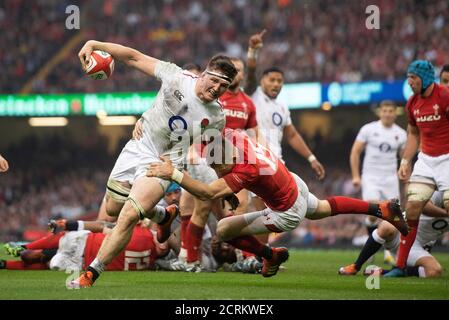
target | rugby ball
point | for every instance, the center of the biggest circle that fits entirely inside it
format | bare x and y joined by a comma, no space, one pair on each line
101,65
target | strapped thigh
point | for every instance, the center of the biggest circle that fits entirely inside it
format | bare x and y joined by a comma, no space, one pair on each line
138,207
419,191
117,191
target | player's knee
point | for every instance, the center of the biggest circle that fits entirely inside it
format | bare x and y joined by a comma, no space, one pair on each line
113,208
127,218
27,256
223,230
386,230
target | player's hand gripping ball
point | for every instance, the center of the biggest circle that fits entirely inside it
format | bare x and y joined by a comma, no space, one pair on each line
101,65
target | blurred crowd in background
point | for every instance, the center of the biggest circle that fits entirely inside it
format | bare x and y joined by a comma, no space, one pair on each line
312,40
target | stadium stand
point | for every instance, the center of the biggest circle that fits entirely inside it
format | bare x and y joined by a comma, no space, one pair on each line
304,39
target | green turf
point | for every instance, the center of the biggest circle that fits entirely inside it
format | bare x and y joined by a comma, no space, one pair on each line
309,274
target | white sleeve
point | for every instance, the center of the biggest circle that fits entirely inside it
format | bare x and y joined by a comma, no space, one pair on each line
288,118
403,139
166,71
363,134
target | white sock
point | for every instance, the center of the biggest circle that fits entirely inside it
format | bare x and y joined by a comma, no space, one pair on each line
159,214
422,272
182,254
97,265
377,238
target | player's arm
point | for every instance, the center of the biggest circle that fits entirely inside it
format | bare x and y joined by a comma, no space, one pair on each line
217,189
131,57
165,170
4,166
296,141
254,44
354,161
433,211
411,147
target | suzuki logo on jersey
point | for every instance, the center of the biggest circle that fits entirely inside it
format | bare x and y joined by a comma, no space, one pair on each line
236,114
428,118
178,95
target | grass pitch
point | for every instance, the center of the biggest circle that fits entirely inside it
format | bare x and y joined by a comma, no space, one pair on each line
309,274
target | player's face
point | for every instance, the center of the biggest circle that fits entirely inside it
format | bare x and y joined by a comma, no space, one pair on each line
415,83
272,84
173,197
444,78
387,115
238,64
210,87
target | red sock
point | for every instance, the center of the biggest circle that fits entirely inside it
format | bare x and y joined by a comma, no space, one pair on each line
184,223
406,244
346,205
48,242
20,265
194,240
247,254
251,244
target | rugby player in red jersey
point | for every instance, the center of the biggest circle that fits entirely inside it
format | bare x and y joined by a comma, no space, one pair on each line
240,113
428,128
243,164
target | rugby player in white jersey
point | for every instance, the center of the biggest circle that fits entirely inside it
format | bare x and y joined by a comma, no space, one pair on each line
383,142
433,223
184,107
273,117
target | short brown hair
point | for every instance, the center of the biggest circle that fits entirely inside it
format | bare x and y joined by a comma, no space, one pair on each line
224,64
387,103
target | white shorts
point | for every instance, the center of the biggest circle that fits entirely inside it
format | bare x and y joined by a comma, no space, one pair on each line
416,252
70,251
380,187
126,164
202,171
432,170
279,221
134,159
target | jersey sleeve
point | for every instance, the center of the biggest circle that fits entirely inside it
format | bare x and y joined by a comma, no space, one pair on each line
408,106
240,177
288,118
402,139
363,134
252,120
166,71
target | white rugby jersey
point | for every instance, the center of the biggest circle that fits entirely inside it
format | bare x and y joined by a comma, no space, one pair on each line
430,229
381,147
178,109
272,117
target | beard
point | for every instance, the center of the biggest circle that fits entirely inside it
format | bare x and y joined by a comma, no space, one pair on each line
233,86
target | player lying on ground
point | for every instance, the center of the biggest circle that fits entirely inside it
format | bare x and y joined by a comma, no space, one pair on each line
215,254
433,223
76,248
248,165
